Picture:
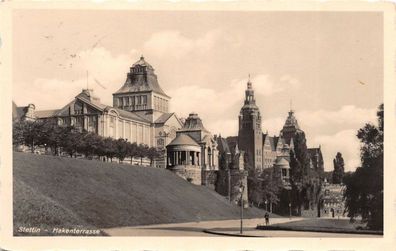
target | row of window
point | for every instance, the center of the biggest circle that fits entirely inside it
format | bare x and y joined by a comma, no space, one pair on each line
133,133
138,69
160,104
132,101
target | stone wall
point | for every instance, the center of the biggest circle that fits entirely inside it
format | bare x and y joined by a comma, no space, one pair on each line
209,178
190,173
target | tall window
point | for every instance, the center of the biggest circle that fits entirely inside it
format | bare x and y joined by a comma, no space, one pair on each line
133,102
144,100
120,102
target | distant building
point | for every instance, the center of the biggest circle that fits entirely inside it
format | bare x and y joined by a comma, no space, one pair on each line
333,204
263,150
23,112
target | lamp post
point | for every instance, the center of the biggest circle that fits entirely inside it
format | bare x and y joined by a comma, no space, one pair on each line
266,207
290,210
229,184
241,189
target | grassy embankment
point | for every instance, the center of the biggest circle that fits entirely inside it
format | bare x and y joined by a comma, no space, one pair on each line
64,192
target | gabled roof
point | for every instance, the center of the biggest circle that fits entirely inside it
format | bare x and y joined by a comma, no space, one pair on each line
270,140
272,143
232,142
129,115
46,113
222,145
163,118
276,141
183,139
17,112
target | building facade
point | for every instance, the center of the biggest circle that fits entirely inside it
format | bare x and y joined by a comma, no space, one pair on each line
262,149
140,112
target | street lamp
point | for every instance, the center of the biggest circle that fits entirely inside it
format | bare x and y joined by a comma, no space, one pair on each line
241,189
266,208
289,210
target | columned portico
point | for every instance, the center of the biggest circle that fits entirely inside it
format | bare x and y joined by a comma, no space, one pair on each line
184,154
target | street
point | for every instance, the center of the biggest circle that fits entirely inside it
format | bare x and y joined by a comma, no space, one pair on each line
222,228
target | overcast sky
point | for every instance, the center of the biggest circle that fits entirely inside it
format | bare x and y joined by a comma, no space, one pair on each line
329,64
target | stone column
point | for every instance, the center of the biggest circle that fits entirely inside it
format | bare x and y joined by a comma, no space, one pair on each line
213,157
198,160
123,129
106,126
187,157
115,128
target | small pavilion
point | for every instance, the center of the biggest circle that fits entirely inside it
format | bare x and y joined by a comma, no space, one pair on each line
183,150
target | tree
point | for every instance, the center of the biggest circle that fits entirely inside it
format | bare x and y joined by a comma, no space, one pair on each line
264,186
18,130
71,140
154,153
52,135
110,148
338,172
305,181
142,151
28,133
365,188
121,149
89,144
132,151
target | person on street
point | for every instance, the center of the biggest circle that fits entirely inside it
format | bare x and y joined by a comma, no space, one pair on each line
266,216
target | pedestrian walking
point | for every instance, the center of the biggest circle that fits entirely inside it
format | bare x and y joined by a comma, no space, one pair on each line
266,216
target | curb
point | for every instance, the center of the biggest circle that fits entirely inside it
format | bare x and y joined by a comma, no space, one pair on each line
273,228
208,231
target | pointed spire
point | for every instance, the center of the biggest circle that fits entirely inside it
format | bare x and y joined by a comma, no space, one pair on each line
249,83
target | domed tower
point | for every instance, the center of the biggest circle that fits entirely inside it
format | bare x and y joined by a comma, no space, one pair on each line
250,134
141,92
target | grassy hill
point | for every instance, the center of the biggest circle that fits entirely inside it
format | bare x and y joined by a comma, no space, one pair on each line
64,192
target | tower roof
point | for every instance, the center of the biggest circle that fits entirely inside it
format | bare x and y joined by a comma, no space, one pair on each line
250,102
142,62
282,163
291,120
140,78
193,122
183,139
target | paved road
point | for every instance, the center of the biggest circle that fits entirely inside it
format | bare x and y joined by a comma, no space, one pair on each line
229,227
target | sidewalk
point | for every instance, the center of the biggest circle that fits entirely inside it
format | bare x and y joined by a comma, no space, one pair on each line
252,231
203,228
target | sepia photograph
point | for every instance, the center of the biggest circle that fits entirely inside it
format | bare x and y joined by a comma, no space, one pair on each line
197,123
